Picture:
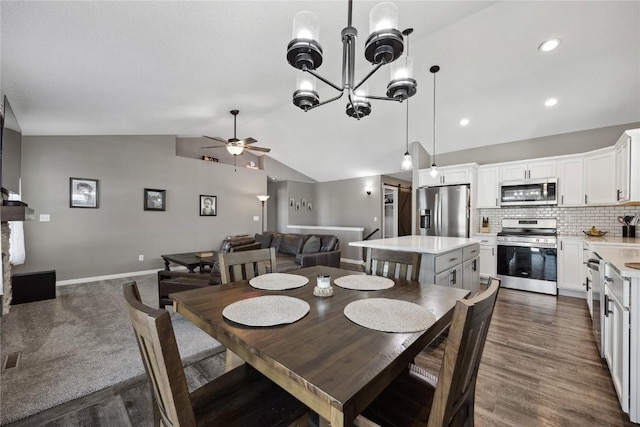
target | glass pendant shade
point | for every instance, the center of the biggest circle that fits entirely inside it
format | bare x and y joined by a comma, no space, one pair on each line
434,171
383,16
305,82
306,26
236,150
402,68
407,162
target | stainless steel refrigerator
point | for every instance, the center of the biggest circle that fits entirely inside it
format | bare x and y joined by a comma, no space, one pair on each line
444,211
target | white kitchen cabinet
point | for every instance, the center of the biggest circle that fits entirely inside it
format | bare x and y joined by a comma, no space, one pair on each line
599,177
570,267
488,187
488,248
571,181
627,176
617,334
447,175
515,171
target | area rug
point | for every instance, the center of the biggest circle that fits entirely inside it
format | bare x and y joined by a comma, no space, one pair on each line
79,343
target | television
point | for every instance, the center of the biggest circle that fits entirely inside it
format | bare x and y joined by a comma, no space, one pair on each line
10,151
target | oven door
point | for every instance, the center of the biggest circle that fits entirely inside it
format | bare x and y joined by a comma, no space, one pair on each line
528,267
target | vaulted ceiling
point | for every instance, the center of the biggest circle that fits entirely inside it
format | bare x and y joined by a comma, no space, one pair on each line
178,67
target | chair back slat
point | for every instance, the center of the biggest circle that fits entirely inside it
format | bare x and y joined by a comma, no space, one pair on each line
237,266
454,396
393,264
161,359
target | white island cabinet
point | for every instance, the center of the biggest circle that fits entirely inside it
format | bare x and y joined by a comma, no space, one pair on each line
621,328
446,261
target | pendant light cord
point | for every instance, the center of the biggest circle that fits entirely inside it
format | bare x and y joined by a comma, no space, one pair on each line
434,69
407,119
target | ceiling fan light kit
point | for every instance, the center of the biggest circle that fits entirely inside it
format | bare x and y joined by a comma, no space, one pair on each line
384,45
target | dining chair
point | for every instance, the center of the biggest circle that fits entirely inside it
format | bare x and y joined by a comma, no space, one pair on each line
384,262
240,397
237,266
415,398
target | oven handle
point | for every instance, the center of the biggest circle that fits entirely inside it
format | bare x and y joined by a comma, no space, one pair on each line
529,245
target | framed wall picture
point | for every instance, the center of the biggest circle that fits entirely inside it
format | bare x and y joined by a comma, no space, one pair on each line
83,193
310,206
304,203
155,200
208,205
297,206
292,202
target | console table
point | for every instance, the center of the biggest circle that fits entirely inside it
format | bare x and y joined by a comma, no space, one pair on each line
189,260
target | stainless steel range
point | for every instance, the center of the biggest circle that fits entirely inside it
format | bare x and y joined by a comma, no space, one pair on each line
527,255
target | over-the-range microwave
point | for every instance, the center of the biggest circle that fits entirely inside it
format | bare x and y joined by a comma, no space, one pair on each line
529,192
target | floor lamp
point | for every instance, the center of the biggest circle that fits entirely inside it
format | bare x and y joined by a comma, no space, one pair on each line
263,198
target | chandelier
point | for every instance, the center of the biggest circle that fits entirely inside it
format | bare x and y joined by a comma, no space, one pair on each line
384,45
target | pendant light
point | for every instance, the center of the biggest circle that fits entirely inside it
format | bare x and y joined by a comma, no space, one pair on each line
434,169
407,162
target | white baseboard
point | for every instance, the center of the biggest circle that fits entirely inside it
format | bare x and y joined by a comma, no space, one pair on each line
112,276
351,261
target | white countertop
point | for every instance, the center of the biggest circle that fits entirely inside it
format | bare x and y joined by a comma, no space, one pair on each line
421,244
617,257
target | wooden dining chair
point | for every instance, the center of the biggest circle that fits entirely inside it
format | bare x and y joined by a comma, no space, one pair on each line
383,262
241,397
415,398
237,266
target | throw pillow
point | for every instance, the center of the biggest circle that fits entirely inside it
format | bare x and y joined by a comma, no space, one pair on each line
312,246
291,244
264,239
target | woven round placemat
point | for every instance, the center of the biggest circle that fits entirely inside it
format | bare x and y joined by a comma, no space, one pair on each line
278,281
389,315
267,310
364,282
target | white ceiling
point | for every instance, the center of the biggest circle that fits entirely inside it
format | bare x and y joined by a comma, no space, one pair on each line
178,67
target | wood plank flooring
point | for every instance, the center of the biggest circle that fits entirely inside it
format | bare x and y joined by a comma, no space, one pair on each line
540,368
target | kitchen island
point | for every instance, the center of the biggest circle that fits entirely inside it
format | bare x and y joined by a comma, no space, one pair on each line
446,261
621,323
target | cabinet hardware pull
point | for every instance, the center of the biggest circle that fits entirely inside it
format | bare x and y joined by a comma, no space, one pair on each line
562,199
585,199
586,283
453,282
618,194
496,201
606,305
452,259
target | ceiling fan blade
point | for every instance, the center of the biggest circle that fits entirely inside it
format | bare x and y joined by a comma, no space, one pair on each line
215,146
248,141
216,138
264,150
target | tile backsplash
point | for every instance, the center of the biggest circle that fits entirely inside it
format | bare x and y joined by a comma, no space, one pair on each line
570,220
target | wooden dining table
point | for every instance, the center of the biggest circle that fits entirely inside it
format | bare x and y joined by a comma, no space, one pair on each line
329,363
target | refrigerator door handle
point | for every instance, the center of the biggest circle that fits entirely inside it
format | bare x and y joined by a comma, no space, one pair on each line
438,215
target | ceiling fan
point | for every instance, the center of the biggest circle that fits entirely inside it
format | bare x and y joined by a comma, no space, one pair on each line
234,145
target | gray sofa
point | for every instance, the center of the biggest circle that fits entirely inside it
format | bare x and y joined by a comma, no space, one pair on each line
294,251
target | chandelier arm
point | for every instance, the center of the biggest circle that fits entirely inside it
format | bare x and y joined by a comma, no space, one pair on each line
319,77
335,98
383,98
376,68
355,110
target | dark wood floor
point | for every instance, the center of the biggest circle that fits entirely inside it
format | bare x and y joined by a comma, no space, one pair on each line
539,368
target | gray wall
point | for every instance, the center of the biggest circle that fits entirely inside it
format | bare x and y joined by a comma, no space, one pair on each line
554,145
80,243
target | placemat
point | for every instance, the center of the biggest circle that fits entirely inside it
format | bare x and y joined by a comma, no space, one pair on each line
389,315
364,282
278,281
267,310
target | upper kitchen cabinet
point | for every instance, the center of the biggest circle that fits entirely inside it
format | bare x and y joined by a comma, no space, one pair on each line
515,171
627,177
570,181
488,187
600,177
448,175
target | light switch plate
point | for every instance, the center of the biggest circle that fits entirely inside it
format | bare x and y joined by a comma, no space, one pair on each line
256,218
45,217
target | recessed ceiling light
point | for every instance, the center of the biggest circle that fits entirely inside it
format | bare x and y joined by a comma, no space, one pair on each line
464,122
550,102
549,45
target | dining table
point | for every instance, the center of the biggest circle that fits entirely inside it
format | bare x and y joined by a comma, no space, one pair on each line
333,365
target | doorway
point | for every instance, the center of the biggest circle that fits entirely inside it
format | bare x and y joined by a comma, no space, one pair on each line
396,211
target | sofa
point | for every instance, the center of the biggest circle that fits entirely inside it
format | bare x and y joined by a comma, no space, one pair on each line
294,251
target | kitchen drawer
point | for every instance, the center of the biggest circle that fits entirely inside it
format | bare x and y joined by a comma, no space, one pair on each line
620,288
470,252
448,260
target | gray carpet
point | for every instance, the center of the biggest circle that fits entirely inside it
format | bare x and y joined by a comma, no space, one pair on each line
77,344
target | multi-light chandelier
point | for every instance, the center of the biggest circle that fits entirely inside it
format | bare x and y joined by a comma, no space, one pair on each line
384,45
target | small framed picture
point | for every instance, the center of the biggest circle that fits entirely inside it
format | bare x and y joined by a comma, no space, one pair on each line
208,205
309,206
292,202
155,200
297,206
83,193
210,159
304,203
